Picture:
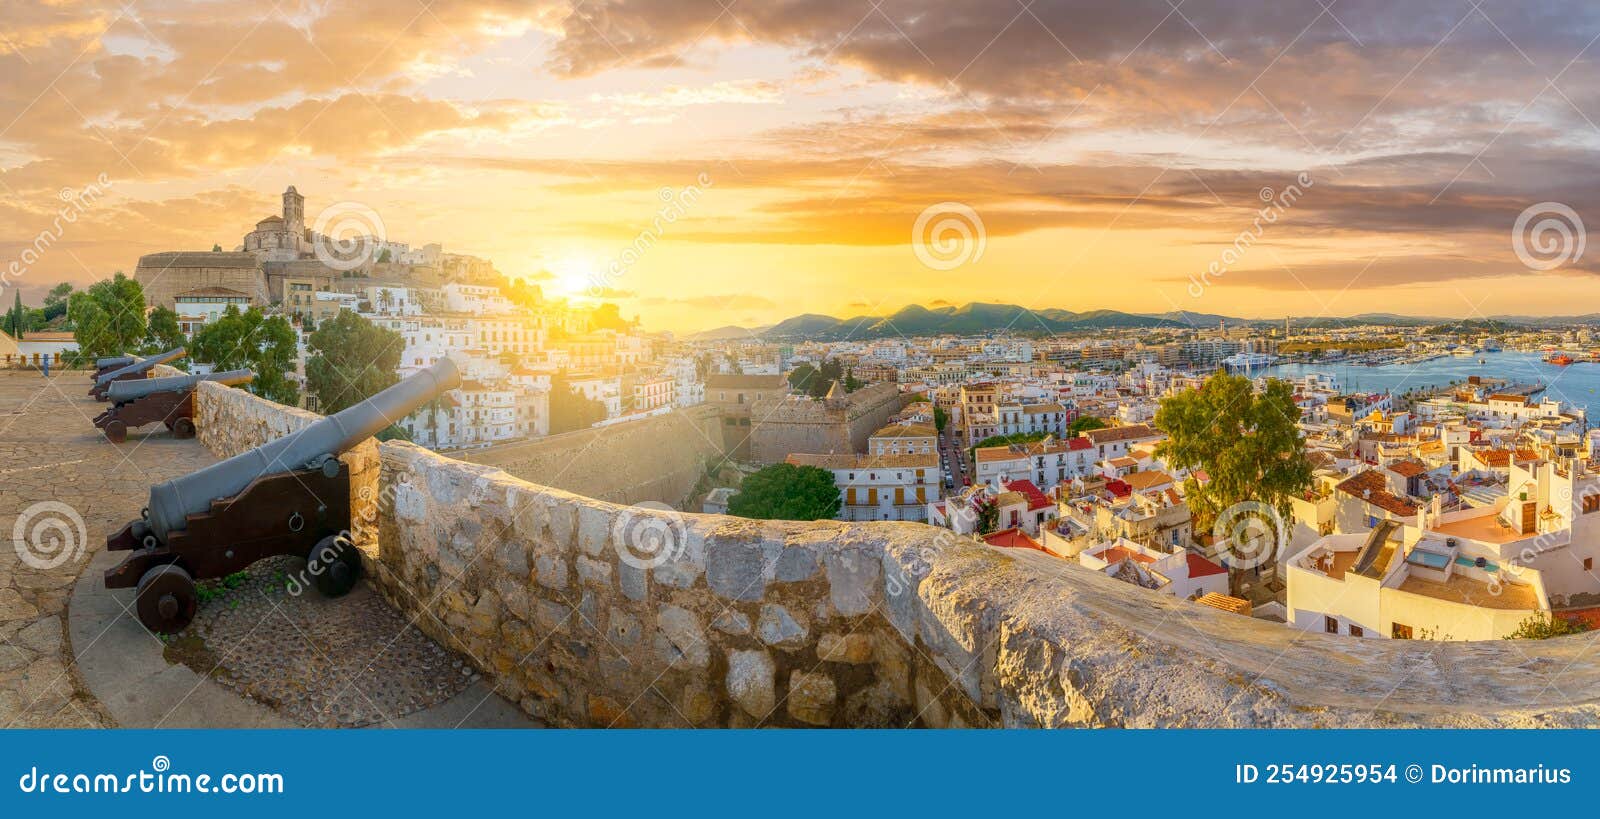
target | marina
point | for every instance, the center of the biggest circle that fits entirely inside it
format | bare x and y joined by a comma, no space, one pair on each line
1577,383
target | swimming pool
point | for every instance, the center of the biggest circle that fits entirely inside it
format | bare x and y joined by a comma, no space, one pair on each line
1432,560
1471,563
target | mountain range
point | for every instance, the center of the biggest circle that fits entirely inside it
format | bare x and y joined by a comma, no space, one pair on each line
978,318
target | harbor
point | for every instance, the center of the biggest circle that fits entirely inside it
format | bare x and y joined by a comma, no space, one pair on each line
1526,373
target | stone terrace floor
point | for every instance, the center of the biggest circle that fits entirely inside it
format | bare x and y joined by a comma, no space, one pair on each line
55,465
313,662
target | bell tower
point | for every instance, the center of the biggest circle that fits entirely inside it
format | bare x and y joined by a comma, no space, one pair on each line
294,212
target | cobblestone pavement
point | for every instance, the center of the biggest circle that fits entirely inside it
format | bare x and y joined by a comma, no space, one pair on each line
318,662
63,488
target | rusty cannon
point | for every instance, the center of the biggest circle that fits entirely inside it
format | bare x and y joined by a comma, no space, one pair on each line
148,400
130,372
290,496
116,362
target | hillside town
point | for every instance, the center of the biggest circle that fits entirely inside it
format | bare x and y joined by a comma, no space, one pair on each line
1454,510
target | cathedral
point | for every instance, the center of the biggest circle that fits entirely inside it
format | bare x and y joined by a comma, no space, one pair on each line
281,238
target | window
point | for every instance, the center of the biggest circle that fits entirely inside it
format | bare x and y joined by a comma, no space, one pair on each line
1588,563
1400,631
1357,631
1330,625
1591,503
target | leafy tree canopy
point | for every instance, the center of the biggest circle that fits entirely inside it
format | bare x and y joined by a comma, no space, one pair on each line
108,318
351,359
163,334
1084,423
787,492
251,340
1248,443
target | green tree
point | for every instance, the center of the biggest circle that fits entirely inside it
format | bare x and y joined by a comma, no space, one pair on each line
941,418
1084,423
352,360
988,515
1248,443
15,316
216,248
801,376
55,301
1542,626
163,334
570,409
787,492
108,318
251,340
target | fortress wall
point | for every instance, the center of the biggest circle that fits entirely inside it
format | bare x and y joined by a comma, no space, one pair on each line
786,425
741,622
657,459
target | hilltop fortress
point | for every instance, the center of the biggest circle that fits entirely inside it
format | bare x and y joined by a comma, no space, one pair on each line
839,423
281,248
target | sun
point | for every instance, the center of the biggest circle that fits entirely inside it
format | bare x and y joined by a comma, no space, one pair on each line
576,275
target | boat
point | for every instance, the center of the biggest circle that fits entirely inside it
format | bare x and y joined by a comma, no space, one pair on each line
1558,359
1463,352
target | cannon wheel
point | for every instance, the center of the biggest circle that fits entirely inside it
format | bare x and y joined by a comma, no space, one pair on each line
116,432
334,565
183,428
166,599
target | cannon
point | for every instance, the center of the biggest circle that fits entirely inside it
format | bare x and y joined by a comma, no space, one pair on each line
290,496
105,365
138,369
168,400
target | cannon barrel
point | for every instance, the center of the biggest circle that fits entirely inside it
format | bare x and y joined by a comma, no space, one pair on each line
142,366
173,501
114,361
119,391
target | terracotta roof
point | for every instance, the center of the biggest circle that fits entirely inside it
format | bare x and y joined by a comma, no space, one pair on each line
907,431
1201,567
1013,539
1520,399
998,453
1407,469
1225,603
850,460
1370,486
1117,554
1080,443
1110,434
49,335
1036,498
1146,480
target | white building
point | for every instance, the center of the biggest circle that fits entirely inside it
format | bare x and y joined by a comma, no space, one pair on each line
880,487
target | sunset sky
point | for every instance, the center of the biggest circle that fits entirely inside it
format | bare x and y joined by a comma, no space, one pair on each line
1112,151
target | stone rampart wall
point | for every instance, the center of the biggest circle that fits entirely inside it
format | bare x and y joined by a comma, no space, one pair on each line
558,600
660,459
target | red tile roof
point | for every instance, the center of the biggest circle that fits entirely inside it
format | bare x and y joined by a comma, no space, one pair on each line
1117,554
1076,444
1012,539
1036,498
1201,567
1119,488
